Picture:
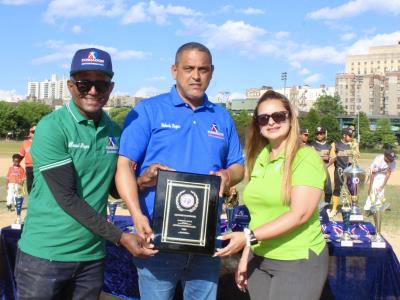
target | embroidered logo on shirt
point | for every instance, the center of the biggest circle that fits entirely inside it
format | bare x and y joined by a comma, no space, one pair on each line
112,146
214,132
78,145
169,125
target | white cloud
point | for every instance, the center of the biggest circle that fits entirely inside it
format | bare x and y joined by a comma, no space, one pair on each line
348,36
76,29
145,12
282,35
19,2
355,8
146,92
327,54
226,8
362,46
10,96
232,33
252,11
295,64
304,71
63,51
77,8
317,77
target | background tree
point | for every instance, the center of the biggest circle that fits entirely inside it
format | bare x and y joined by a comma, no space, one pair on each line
30,113
118,114
310,121
242,121
8,119
384,134
328,105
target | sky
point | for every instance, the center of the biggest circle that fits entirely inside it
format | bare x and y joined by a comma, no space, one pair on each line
252,42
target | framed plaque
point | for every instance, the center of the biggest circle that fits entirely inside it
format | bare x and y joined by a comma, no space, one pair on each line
186,212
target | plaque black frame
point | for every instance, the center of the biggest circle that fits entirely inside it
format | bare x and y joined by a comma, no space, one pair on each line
176,224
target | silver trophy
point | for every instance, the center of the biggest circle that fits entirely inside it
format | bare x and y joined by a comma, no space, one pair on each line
346,212
378,206
19,200
354,179
112,208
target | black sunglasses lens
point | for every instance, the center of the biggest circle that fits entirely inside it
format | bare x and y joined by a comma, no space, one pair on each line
262,120
84,86
279,116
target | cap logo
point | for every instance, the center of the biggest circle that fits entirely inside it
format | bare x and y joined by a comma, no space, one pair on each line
92,60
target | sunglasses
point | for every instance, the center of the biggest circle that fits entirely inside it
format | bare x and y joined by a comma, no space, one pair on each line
84,86
278,117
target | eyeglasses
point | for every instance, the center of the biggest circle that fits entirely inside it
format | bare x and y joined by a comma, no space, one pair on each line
278,117
85,85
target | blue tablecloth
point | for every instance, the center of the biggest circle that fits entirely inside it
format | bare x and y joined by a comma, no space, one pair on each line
359,272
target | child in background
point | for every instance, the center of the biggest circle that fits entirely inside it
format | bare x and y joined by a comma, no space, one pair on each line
15,180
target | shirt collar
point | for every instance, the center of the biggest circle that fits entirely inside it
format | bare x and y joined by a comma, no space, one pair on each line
178,101
78,117
265,153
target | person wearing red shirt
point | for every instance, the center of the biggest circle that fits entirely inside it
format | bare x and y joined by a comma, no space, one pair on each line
15,180
24,151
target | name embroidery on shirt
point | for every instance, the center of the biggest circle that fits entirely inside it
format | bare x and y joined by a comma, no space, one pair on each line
169,125
214,132
78,145
112,146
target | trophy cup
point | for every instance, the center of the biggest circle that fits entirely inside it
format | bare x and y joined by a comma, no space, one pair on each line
345,240
112,208
377,209
19,200
231,201
355,178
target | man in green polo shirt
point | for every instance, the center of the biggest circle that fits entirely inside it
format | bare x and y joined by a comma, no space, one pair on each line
74,154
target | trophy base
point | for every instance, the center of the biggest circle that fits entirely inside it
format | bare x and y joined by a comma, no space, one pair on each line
346,243
378,245
16,226
356,218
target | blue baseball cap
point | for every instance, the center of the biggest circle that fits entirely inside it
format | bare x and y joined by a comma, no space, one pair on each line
91,59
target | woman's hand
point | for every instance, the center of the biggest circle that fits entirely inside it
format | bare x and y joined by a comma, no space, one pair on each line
241,270
237,241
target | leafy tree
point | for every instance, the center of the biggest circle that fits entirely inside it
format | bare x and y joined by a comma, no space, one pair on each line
328,105
8,118
242,121
118,115
30,113
332,127
310,121
384,134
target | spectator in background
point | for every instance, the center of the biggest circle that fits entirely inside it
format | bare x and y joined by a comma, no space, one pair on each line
304,135
14,180
381,168
25,152
324,148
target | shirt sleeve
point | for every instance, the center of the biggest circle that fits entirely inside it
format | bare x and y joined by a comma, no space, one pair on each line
308,169
136,133
22,149
49,147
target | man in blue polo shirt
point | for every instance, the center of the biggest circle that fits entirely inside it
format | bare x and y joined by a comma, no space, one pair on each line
180,130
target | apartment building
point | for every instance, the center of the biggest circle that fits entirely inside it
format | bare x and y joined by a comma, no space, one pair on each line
48,90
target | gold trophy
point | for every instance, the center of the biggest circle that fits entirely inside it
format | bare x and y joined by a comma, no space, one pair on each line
354,178
345,240
377,209
231,200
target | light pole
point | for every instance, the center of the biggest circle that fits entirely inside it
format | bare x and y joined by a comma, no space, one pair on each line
358,80
284,77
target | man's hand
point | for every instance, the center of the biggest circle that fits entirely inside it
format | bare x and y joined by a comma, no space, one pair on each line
149,176
237,241
143,229
225,180
137,246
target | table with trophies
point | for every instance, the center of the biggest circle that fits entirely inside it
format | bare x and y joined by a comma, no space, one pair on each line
362,264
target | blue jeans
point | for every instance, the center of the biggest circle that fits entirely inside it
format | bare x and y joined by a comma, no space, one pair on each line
43,279
159,275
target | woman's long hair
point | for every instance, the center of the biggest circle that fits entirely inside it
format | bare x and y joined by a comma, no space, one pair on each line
256,142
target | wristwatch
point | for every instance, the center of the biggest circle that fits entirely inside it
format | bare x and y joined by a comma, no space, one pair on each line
251,239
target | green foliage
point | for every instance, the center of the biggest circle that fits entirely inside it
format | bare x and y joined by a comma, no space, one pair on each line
328,105
118,114
242,121
19,118
331,125
384,134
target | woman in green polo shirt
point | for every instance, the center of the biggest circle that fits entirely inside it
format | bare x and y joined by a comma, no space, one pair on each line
288,257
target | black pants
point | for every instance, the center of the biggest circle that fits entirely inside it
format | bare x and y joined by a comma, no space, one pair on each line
328,188
29,178
43,279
